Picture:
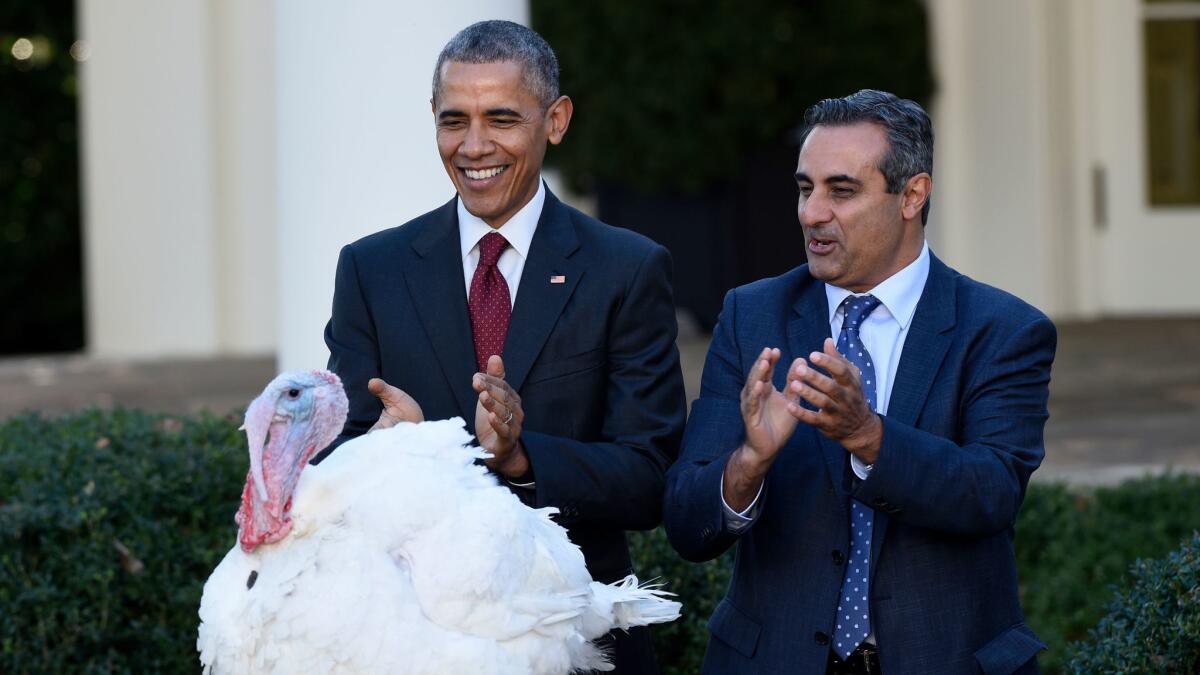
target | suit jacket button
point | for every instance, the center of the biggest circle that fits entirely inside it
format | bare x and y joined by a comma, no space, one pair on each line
838,558
821,638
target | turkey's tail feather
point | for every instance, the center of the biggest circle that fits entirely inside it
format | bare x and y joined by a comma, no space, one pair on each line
627,604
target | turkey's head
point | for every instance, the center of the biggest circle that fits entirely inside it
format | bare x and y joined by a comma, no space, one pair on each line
297,414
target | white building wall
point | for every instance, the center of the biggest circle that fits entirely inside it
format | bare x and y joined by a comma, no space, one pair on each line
995,205
245,261
1039,182
231,148
147,127
355,139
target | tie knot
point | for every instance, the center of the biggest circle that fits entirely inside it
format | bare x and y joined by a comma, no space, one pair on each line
490,248
858,307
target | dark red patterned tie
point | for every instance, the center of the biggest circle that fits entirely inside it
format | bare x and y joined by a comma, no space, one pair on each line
489,302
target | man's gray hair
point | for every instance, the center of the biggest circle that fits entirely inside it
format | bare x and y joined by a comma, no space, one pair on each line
495,41
909,132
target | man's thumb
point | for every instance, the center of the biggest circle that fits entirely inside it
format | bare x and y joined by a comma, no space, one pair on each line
382,390
495,366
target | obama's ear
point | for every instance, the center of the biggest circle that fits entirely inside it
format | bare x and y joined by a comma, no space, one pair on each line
558,118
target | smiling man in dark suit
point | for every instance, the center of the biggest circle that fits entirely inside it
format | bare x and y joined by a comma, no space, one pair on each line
872,482
550,332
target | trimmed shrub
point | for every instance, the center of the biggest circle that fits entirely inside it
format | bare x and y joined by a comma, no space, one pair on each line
680,644
1074,543
109,525
1153,626
110,522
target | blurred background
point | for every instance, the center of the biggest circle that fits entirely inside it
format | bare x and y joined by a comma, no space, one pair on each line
176,179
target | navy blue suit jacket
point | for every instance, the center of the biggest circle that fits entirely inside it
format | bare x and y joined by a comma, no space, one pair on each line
593,359
962,434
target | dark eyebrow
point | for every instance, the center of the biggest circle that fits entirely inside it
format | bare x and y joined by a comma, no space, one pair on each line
843,178
839,178
451,113
502,112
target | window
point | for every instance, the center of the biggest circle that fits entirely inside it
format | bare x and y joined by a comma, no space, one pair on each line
1171,32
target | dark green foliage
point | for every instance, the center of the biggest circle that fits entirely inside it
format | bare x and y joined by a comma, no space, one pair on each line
41,282
677,95
680,645
166,490
72,493
1153,626
1072,545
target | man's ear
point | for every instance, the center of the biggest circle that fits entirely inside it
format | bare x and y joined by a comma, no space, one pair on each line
558,118
915,194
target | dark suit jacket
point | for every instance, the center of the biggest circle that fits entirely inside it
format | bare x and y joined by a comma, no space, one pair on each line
593,359
962,434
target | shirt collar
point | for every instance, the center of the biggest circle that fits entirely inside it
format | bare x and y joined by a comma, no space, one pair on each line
899,293
518,230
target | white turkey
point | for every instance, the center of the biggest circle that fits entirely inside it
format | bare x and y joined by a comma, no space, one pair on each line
397,554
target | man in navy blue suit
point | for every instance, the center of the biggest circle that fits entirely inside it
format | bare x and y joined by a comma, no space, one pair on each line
866,428
549,332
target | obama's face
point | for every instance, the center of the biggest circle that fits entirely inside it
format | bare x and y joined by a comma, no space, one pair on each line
492,133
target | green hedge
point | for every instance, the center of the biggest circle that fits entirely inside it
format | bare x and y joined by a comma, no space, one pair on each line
1072,545
111,522
109,525
1153,626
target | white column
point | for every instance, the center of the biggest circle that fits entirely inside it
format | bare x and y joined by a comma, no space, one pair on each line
355,139
244,65
948,231
998,182
179,177
147,130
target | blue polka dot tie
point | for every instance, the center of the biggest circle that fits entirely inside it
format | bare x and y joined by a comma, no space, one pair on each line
489,301
853,623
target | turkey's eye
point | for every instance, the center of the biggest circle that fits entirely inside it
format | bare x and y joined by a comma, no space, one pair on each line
293,393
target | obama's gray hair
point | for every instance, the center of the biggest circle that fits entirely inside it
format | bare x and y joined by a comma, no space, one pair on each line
496,41
909,132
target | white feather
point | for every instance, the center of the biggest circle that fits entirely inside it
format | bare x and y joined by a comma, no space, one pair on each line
407,557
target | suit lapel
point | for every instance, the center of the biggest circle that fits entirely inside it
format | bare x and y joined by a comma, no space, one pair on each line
807,331
929,338
435,279
547,282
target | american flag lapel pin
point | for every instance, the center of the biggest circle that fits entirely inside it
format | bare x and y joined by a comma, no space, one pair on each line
558,279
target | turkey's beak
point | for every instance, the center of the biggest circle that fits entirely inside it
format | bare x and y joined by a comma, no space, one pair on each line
258,423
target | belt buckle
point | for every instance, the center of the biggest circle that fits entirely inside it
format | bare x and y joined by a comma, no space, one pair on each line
865,653
866,660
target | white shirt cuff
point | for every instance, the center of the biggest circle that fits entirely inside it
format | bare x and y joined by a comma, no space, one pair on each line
735,522
860,468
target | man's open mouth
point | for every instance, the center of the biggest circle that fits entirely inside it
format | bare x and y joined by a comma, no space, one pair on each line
820,246
484,174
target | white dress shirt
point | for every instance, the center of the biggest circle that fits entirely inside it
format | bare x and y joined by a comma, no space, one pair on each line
883,333
518,230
